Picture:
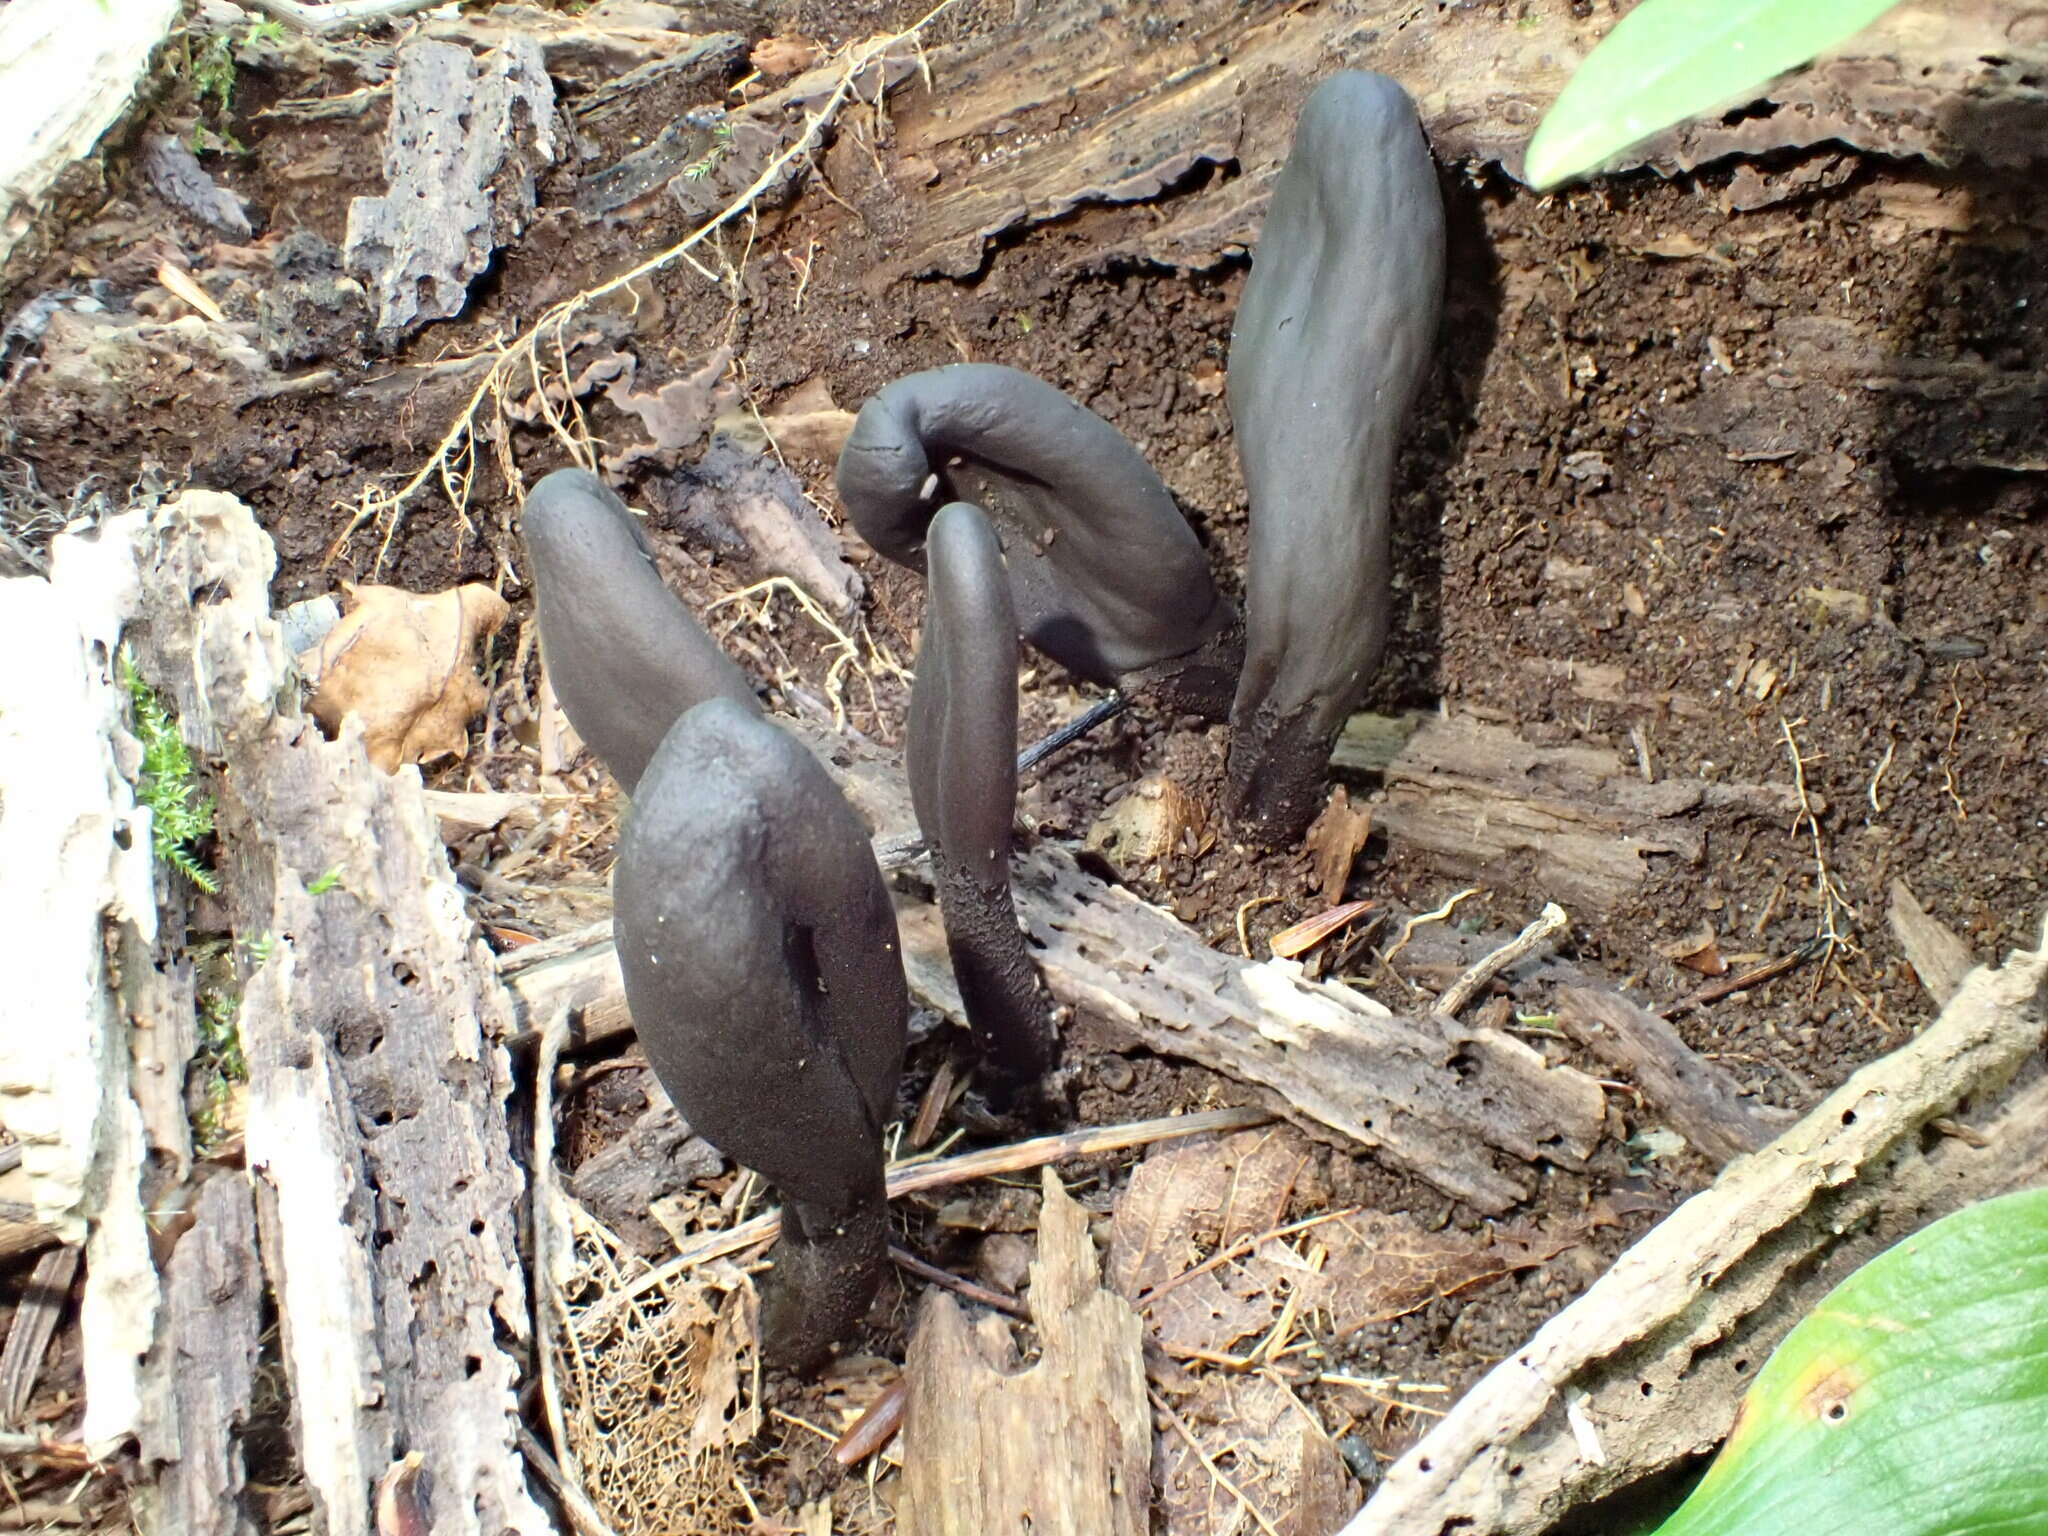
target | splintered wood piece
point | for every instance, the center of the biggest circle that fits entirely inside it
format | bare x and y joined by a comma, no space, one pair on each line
1480,801
197,1382
35,1320
1656,1355
1938,957
1696,1098
1060,1448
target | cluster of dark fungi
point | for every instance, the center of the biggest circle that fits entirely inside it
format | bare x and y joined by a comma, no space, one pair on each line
755,932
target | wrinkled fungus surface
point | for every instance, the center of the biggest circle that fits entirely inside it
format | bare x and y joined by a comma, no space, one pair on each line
1107,577
1334,337
625,657
962,763
761,964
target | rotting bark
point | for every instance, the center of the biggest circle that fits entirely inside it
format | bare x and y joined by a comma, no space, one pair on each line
465,140
1658,1352
976,1427
1576,823
1100,112
371,1024
1698,1100
1468,1109
200,1375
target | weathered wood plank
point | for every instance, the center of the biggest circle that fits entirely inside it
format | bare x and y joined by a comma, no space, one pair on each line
1062,1447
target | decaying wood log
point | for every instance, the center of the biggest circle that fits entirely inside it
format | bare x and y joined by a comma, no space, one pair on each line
1657,1353
1468,1109
376,1084
199,1378
1063,1446
1575,823
1699,1101
67,74
371,1023
1071,105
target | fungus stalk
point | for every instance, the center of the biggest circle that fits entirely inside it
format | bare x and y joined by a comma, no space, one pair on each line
625,656
1106,576
761,964
1333,340
963,785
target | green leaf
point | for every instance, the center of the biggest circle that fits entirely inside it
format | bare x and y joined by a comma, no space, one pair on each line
1912,1402
1668,60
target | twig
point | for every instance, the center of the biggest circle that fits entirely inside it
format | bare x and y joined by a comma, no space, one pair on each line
1244,933
61,1453
554,1311
1215,1471
1089,718
905,1259
1018,1158
1831,897
1877,778
870,1434
1755,976
339,15
581,1512
1527,942
1408,928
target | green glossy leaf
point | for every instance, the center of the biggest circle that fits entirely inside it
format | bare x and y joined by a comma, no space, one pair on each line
1668,60
1912,1402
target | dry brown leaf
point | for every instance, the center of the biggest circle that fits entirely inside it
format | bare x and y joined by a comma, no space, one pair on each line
1380,1267
1188,1196
1697,951
406,663
786,54
1208,1314
1265,1440
1148,823
1334,841
1311,931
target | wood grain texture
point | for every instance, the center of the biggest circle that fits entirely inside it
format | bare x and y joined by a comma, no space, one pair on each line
1060,1448
198,1379
1696,1098
371,1021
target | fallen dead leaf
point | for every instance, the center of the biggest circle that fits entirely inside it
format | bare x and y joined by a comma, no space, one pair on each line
406,663
1379,1267
1188,1196
1335,840
1699,951
1266,1441
1148,823
1311,931
785,54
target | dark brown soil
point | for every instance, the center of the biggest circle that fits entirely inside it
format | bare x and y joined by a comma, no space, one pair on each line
1659,426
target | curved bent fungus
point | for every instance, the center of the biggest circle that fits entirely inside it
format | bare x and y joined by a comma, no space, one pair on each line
962,763
763,974
626,658
1107,577
1333,339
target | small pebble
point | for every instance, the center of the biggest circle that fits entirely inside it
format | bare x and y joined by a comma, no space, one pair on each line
1115,1074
